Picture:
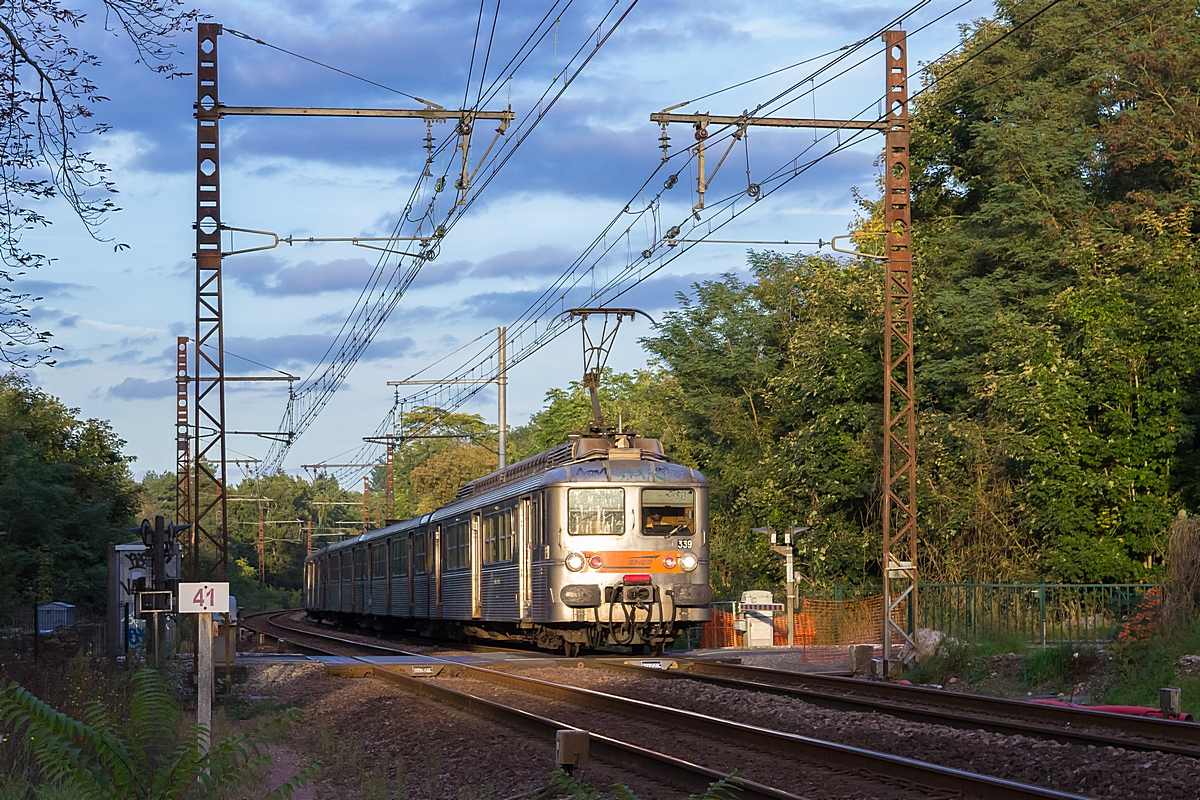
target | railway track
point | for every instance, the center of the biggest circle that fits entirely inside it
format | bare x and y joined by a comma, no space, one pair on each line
958,710
516,700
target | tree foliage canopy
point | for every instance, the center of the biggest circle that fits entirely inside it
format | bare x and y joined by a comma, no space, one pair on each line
1055,221
47,112
65,492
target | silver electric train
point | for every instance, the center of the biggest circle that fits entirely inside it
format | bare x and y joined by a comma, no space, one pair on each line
598,542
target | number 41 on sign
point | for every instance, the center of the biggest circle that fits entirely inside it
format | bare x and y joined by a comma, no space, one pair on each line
201,598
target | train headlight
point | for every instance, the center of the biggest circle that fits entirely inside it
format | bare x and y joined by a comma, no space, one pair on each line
688,562
574,562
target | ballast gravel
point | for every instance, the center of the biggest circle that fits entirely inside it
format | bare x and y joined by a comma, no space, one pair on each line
377,740
1102,772
800,777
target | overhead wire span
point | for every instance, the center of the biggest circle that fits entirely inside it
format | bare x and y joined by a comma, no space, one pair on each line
322,64
389,281
531,316
562,286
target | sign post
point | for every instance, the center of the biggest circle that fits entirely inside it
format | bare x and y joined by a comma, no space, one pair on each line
202,599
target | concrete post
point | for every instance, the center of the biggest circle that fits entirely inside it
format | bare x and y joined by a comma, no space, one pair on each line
204,678
502,401
112,620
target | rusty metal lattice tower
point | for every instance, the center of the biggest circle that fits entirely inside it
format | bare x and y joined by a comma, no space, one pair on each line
899,508
899,406
390,485
183,450
208,498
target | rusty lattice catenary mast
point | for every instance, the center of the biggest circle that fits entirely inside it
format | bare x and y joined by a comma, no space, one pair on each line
899,508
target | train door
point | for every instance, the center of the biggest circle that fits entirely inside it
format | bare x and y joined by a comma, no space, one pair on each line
387,577
368,604
525,557
437,570
476,564
411,572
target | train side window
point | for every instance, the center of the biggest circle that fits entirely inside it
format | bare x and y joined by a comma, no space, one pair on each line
378,561
400,557
537,534
596,512
456,542
498,536
419,553
347,569
360,564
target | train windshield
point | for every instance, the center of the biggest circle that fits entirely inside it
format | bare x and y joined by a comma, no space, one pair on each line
666,512
596,512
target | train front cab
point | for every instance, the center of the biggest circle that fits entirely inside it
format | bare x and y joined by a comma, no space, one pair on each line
632,559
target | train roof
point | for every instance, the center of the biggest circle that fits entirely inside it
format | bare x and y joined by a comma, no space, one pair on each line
623,458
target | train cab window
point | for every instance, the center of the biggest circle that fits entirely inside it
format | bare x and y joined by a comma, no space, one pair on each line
400,557
378,561
666,512
498,536
596,512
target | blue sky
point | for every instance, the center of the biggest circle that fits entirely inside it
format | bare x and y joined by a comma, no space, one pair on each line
116,314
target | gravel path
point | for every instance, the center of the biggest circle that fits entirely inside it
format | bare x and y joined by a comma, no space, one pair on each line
1107,772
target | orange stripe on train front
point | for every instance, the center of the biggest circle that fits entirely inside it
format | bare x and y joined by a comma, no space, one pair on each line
623,560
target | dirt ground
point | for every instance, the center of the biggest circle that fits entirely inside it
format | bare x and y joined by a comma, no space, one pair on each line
376,741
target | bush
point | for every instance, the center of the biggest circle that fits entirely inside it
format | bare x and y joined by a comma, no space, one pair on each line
150,755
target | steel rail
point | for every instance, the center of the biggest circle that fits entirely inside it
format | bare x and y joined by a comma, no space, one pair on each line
790,744
1007,725
739,734
472,648
660,766
1170,736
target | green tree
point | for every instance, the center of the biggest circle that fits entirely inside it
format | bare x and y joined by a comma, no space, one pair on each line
65,492
438,479
451,431
1054,219
158,495
289,505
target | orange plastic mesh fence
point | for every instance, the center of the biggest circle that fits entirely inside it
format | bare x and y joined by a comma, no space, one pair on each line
719,632
823,628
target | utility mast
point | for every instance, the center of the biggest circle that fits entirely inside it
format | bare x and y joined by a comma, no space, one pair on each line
208,458
899,506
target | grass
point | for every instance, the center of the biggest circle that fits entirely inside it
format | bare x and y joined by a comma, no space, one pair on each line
1139,669
239,708
1121,674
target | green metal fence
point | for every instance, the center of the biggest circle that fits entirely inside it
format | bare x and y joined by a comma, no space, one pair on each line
1038,613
